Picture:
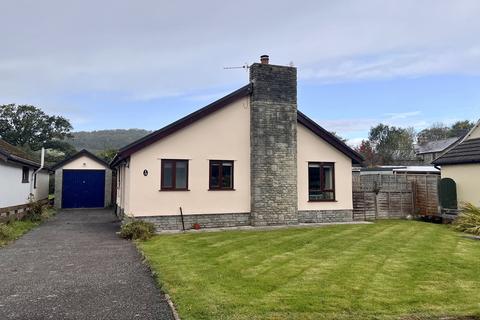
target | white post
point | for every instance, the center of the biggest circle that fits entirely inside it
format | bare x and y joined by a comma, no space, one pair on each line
32,181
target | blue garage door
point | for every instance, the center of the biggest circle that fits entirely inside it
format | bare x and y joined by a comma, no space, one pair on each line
83,189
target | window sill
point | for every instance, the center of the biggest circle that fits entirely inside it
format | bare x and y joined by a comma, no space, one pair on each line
221,190
162,190
25,181
326,200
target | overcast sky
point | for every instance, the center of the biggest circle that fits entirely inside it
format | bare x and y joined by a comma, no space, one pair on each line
142,64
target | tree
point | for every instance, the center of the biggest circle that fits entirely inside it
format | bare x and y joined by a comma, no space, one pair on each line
440,131
460,128
28,126
392,143
108,155
369,154
437,131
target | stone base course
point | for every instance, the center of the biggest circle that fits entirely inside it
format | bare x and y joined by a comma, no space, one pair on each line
325,216
220,220
228,220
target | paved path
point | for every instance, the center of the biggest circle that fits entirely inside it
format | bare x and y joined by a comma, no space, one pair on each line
75,267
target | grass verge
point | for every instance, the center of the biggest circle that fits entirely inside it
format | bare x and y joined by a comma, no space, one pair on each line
386,270
13,230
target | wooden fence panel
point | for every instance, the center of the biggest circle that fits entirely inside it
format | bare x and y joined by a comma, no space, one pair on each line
394,196
426,193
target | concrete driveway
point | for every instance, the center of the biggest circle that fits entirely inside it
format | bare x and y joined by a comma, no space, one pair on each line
75,267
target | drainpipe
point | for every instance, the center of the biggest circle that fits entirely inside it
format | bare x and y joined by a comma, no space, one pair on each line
42,163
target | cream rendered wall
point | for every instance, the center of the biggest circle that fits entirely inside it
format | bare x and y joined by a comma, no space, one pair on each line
123,187
78,164
120,186
223,135
475,133
311,148
467,178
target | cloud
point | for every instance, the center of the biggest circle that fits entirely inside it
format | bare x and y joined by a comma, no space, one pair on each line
164,48
402,115
355,142
356,126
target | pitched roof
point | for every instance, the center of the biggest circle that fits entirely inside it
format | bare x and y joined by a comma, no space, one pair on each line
244,91
329,137
78,155
468,151
14,154
436,146
133,147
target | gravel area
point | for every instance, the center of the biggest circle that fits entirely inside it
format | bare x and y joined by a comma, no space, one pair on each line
74,266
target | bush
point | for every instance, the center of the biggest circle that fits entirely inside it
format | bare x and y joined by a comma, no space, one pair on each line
137,229
5,232
35,212
468,219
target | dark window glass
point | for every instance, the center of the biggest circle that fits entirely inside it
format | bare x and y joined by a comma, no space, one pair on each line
34,181
221,175
214,175
181,175
321,181
174,175
25,173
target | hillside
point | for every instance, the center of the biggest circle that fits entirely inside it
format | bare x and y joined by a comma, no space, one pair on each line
97,141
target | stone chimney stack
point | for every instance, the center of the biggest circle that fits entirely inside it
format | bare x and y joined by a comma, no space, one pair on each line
273,139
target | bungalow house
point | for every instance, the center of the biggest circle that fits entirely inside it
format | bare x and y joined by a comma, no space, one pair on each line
430,150
21,180
462,165
249,158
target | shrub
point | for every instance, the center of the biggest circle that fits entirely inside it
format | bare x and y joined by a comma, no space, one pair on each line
5,232
468,219
35,212
137,229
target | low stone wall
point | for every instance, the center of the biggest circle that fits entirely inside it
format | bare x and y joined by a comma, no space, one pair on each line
17,212
221,220
324,216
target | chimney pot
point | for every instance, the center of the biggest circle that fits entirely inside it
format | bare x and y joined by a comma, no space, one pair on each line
264,59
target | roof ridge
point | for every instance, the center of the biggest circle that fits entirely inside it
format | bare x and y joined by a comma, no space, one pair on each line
131,148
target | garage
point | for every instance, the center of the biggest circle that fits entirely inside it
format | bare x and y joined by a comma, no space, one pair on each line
82,181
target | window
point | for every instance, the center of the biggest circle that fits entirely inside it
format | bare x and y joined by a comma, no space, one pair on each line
174,175
221,175
321,181
34,181
25,173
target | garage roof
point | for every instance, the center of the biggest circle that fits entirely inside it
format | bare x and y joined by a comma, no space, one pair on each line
78,155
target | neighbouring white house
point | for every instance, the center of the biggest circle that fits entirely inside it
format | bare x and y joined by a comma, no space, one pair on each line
462,165
20,179
249,158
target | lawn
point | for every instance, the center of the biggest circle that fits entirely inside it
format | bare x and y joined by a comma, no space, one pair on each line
386,270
